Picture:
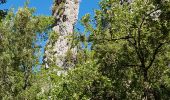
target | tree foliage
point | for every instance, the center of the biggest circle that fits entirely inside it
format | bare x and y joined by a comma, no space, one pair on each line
131,43
18,49
129,58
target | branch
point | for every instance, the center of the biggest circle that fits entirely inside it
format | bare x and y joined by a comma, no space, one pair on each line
154,54
122,38
153,11
131,65
139,30
139,40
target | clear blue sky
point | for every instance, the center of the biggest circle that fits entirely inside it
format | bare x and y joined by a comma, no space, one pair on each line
43,7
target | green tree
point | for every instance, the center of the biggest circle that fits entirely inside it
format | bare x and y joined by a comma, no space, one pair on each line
129,57
19,50
80,83
131,45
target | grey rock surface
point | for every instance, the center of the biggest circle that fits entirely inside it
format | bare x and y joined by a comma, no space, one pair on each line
64,26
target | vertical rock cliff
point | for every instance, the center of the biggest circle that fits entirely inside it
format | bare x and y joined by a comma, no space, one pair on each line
66,15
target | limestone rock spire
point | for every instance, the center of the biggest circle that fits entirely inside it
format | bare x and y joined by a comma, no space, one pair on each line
66,15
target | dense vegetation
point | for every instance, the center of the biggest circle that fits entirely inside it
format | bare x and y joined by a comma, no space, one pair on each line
18,50
129,57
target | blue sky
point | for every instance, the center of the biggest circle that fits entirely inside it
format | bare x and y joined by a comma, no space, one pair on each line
43,7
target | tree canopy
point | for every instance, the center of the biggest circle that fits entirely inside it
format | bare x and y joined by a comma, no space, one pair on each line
18,49
128,59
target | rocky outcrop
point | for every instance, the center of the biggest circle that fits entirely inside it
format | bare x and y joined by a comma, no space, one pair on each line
66,15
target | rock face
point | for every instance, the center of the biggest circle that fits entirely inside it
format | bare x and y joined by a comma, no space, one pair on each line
66,15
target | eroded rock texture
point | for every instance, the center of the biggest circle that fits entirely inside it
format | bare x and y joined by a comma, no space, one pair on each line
66,15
